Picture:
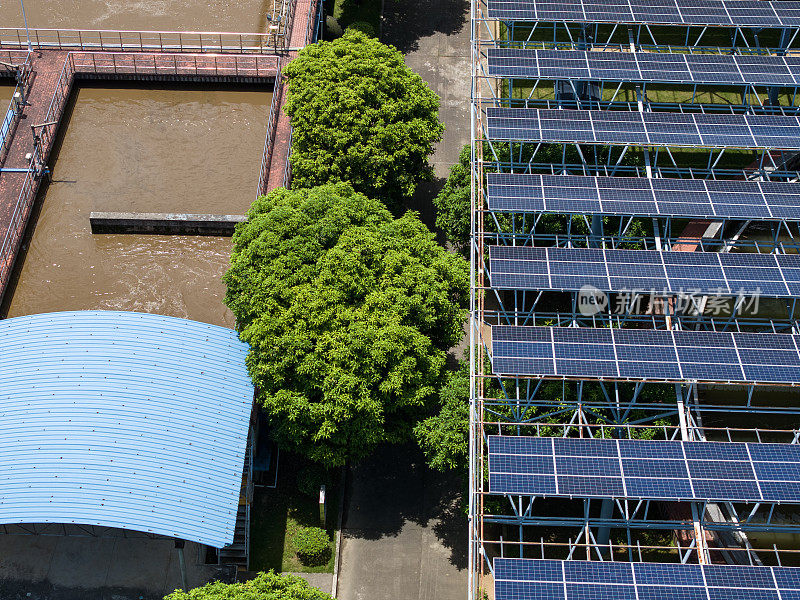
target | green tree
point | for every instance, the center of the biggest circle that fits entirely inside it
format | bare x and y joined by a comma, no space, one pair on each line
360,115
444,437
453,204
265,586
348,313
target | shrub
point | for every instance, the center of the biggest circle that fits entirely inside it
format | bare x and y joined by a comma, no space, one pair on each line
265,586
313,546
334,29
364,27
309,480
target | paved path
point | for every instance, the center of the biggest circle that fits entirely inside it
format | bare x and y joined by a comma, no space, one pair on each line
434,36
321,581
404,534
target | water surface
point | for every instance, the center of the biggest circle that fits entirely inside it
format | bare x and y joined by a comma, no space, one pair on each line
155,150
6,91
248,16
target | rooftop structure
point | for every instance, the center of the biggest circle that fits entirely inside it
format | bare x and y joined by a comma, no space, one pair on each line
126,420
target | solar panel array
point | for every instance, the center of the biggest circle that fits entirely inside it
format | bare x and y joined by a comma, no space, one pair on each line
698,198
645,354
715,13
569,269
644,128
519,578
724,69
644,469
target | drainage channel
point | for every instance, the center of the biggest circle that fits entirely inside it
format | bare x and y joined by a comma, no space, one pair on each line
162,149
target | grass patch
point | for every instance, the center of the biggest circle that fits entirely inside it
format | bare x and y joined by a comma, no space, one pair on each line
278,515
347,12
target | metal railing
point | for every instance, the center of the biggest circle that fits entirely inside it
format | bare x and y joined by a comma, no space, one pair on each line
15,228
47,129
287,166
312,22
151,41
272,121
202,65
14,111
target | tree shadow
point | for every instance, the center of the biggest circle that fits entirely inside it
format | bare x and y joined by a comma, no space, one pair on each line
394,487
404,23
422,202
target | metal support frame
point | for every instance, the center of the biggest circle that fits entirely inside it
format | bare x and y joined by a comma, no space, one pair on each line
514,526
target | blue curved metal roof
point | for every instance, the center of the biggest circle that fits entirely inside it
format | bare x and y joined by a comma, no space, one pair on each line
126,420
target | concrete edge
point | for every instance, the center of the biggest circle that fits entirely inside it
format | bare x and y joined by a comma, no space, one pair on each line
164,223
338,540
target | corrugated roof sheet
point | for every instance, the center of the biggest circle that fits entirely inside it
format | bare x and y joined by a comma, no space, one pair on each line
126,420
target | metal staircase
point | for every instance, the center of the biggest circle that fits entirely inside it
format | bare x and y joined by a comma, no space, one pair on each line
238,553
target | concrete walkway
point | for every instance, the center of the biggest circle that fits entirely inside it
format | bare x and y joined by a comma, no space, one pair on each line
404,535
321,581
434,37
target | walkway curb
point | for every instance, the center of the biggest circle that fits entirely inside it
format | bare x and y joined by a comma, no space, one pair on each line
338,540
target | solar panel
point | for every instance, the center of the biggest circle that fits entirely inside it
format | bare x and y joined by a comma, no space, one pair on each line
714,13
645,355
643,67
639,196
635,128
523,578
645,469
644,271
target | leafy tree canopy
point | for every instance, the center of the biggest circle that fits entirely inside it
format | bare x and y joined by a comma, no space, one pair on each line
348,313
266,586
453,204
360,115
444,437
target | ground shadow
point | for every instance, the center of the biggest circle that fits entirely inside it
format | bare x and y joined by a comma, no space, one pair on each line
395,486
422,203
404,23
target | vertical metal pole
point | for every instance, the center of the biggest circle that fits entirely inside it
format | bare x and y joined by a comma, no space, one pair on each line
25,19
179,544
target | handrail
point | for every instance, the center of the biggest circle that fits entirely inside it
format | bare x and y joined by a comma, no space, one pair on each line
228,65
15,231
150,41
77,63
311,31
287,167
311,24
57,103
14,112
272,120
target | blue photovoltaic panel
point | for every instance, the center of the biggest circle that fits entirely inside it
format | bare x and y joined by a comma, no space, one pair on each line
645,355
711,69
643,129
644,469
639,196
645,271
714,13
524,579
126,420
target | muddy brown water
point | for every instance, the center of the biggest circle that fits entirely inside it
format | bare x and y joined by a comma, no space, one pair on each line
6,91
148,150
247,16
